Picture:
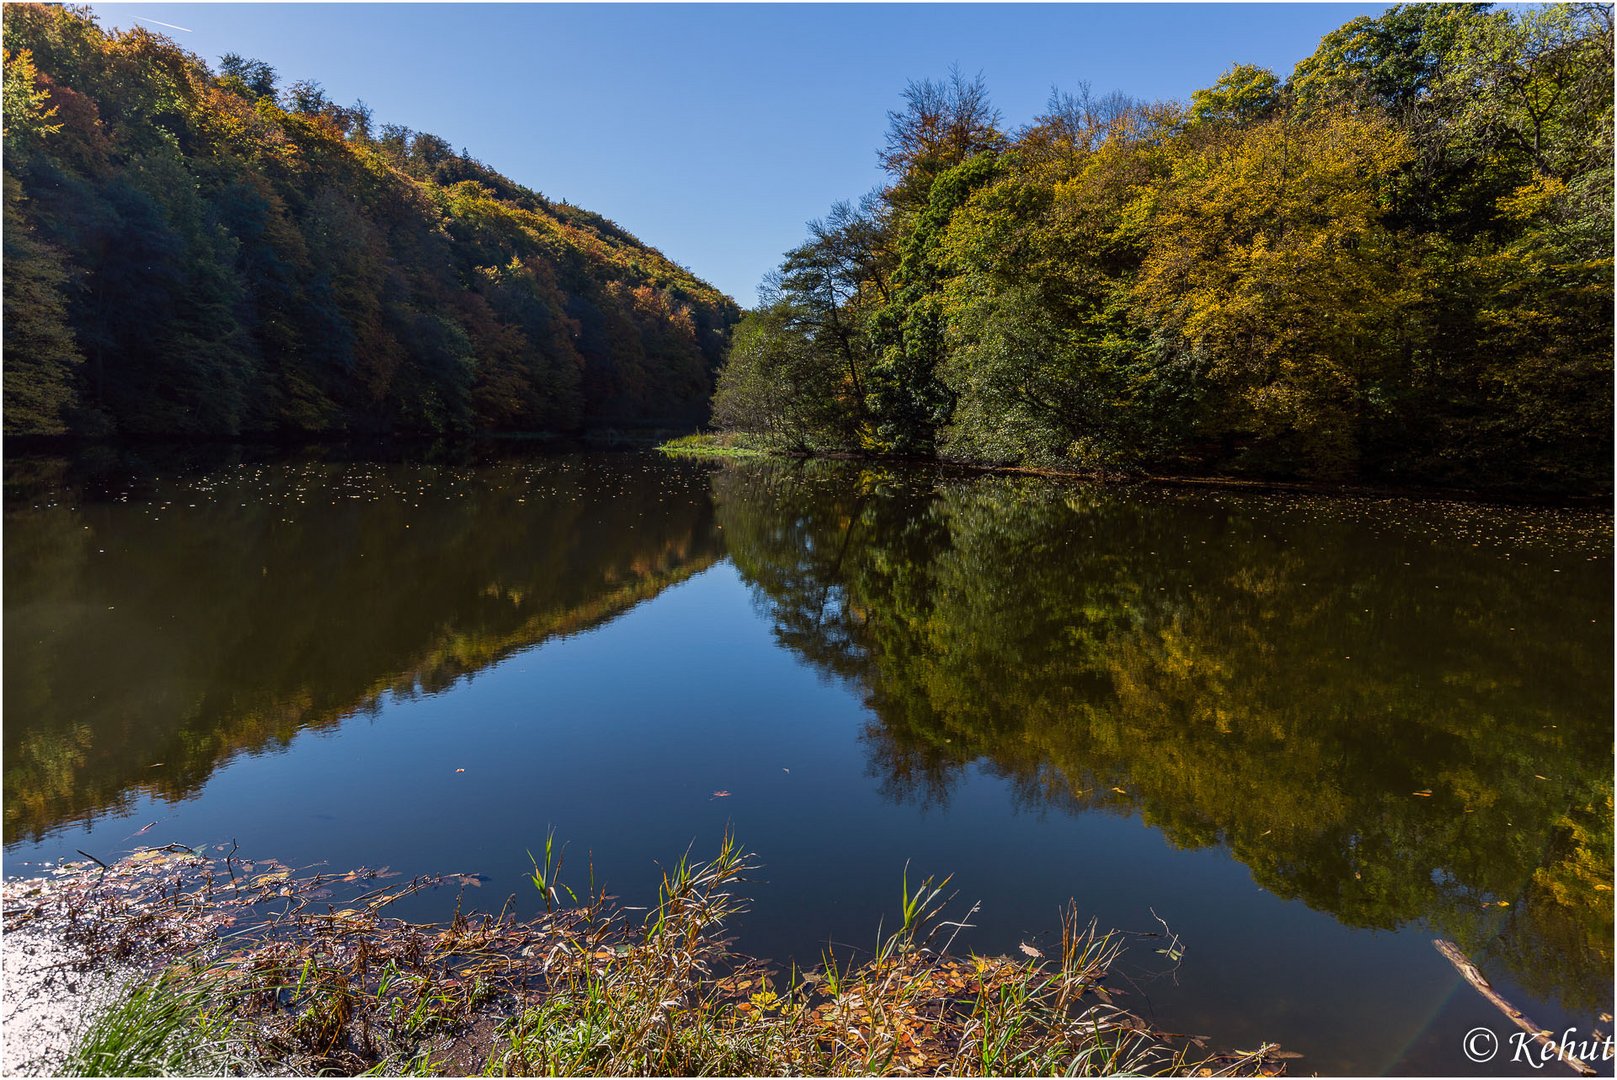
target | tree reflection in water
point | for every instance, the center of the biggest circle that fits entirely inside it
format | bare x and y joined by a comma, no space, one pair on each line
1393,711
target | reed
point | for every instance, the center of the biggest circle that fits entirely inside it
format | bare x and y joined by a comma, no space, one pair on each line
586,988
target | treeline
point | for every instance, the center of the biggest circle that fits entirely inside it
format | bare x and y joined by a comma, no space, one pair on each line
1394,265
198,252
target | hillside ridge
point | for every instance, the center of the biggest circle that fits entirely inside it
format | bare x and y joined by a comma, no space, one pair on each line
201,252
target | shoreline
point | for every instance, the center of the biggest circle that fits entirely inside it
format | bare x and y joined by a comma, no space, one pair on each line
690,446
304,971
662,439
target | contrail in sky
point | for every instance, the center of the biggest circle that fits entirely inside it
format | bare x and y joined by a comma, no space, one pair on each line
171,26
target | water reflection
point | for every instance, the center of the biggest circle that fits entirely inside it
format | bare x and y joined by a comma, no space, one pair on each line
1388,711
1397,713
158,623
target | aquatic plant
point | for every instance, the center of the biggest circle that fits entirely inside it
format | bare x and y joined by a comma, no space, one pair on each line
259,962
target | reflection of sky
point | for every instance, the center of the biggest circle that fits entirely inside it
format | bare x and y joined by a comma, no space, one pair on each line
618,739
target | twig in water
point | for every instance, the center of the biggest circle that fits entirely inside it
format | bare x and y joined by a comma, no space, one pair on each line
92,858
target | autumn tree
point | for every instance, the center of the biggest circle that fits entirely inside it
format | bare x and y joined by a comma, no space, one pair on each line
1269,275
192,252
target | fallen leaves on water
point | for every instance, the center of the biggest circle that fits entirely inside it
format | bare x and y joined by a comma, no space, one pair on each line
1028,950
721,794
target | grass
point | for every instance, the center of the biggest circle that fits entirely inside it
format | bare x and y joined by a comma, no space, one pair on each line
664,1009
583,989
173,1025
723,445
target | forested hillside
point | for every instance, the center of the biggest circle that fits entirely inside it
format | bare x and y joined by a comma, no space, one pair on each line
198,252
1393,265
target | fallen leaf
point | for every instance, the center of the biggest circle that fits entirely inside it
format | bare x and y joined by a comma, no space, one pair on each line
721,794
460,770
1028,950
1427,794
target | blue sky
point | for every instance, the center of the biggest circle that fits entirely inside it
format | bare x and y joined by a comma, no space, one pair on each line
714,132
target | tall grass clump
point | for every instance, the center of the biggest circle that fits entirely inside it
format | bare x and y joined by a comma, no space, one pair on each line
659,1003
175,1024
306,987
679,1002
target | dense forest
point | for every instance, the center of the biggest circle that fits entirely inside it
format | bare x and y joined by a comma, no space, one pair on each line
1393,265
199,252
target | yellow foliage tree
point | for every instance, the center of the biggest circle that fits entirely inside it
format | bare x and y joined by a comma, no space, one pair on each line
1269,270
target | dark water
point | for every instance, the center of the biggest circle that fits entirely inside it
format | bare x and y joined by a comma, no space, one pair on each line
1224,710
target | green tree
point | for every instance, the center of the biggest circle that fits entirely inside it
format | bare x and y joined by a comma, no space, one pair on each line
1242,94
943,123
782,384
908,398
42,356
1044,359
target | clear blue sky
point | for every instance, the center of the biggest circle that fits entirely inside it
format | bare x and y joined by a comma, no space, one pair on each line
714,132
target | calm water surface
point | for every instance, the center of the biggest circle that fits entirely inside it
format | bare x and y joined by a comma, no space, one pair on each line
1309,734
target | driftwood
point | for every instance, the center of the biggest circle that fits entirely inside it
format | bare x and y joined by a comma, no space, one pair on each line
1468,971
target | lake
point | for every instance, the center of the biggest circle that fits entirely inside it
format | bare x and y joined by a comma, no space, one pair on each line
1308,734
